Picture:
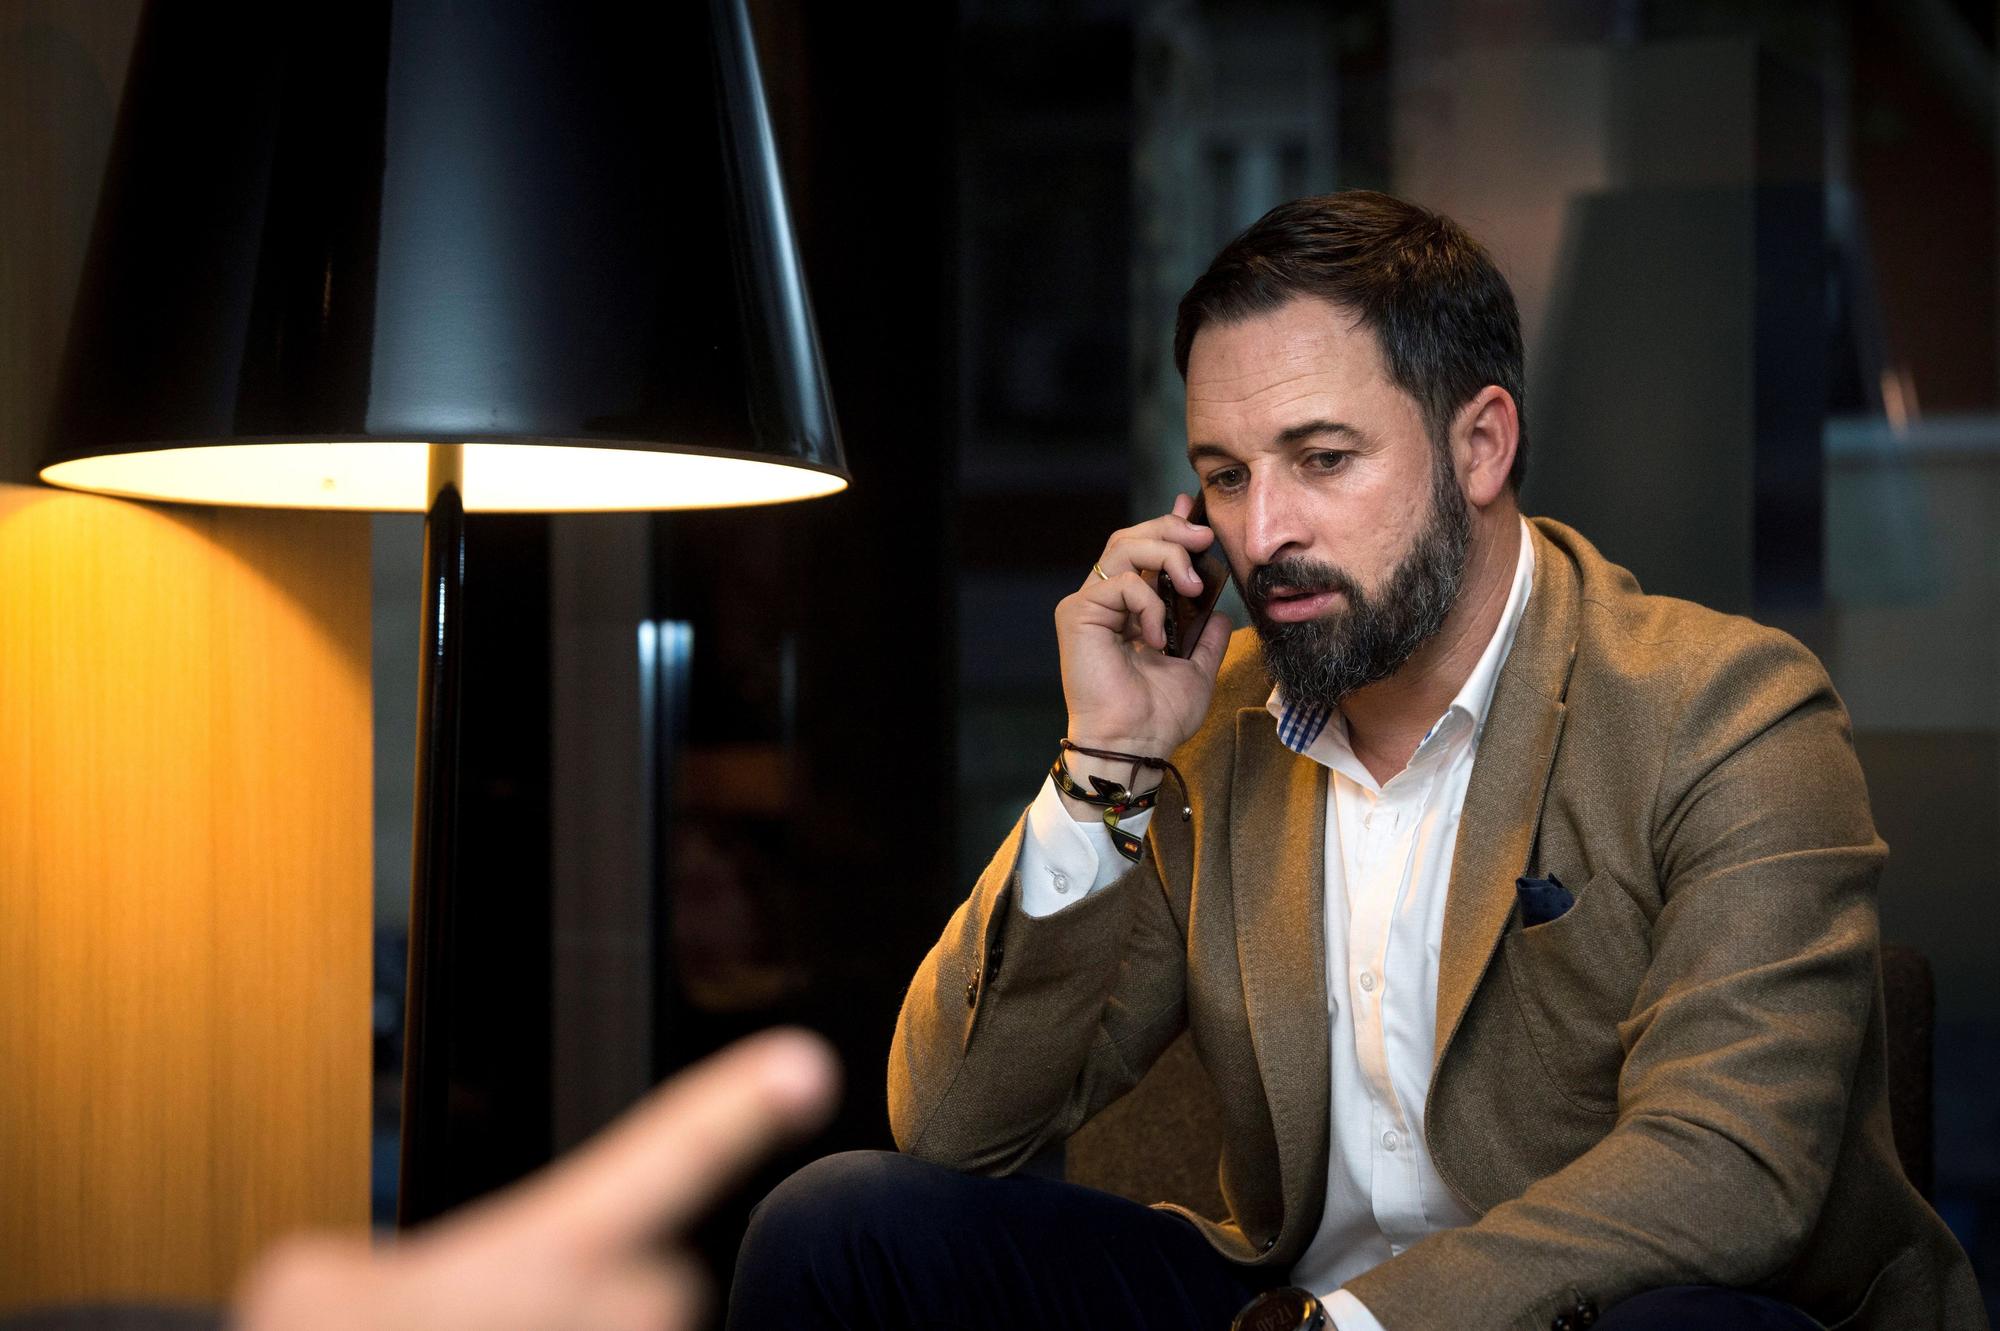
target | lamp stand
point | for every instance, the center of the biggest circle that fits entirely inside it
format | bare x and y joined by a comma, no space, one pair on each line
421,1164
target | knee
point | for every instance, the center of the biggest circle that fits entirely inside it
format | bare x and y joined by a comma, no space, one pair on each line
837,1243
832,1207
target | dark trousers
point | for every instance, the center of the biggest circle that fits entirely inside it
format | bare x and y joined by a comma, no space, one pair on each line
874,1241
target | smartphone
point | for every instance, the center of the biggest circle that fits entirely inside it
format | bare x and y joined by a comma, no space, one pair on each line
1187,616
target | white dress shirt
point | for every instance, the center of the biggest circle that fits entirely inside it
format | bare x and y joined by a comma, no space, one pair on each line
1388,865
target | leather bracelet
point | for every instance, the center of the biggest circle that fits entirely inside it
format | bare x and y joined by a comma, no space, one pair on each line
1113,797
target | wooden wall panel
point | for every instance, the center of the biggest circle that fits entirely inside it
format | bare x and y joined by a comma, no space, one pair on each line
184,801
185,888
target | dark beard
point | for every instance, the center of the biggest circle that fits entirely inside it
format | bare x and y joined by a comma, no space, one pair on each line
1319,662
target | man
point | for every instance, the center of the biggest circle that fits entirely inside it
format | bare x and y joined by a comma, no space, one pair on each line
1524,923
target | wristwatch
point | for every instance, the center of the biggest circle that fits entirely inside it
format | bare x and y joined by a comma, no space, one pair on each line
1285,1309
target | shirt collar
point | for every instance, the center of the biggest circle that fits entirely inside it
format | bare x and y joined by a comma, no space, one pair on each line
1321,733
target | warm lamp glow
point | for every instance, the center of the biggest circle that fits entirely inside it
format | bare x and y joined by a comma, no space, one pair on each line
391,477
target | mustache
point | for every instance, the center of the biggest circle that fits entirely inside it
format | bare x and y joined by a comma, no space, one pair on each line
1303,576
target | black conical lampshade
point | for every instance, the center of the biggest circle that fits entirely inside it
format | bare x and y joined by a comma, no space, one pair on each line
334,232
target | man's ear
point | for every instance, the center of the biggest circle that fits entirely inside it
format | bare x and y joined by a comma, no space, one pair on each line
1483,440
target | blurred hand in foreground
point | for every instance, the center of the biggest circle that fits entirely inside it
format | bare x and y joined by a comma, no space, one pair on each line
588,1244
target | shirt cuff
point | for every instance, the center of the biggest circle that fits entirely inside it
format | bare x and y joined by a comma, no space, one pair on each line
1062,860
1349,1313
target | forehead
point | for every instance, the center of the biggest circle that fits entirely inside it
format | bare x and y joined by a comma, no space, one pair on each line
1303,359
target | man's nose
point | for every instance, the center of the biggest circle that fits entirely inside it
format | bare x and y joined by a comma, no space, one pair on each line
1272,525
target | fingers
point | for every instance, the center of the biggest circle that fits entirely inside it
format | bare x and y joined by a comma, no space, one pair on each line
1126,605
1120,594
1148,557
325,1284
575,1247
317,1283
668,1158
669,1294
1160,543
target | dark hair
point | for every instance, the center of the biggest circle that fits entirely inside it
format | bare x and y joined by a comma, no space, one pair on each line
1444,315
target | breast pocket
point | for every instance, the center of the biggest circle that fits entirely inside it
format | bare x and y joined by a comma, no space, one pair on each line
1574,980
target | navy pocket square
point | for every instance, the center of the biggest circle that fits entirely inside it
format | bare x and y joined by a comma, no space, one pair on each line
1542,899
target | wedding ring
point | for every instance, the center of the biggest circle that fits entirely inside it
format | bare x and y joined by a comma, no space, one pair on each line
1099,571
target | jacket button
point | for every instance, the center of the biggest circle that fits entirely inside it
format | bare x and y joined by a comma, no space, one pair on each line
972,993
1563,1322
1586,1313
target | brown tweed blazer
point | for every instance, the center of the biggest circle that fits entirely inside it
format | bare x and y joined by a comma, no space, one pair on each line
1681,1080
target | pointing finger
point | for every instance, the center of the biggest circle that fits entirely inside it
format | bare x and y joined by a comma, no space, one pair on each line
669,1157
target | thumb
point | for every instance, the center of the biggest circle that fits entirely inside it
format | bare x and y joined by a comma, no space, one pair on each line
1208,652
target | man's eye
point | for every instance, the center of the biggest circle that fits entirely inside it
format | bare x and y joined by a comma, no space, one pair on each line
1224,478
1326,461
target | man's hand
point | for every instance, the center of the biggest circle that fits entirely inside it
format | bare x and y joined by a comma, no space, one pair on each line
585,1244
1124,691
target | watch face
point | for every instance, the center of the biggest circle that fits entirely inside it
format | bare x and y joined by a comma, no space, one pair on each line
1286,1309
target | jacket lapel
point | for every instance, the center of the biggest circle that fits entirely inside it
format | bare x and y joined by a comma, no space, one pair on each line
1278,889
1510,775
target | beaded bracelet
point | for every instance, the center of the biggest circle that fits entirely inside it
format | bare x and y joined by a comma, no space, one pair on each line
1113,797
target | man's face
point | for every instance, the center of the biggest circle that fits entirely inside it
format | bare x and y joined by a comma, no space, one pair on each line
1345,528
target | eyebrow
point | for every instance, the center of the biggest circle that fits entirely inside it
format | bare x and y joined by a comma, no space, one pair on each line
1291,434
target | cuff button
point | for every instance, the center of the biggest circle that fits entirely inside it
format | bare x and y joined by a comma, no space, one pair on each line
972,993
